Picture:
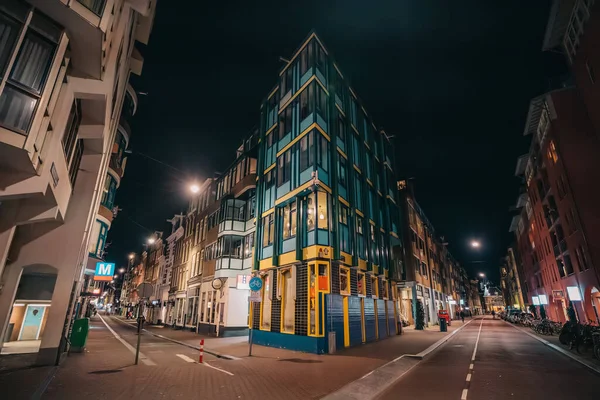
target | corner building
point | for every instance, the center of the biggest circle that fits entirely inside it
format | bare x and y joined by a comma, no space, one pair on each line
327,244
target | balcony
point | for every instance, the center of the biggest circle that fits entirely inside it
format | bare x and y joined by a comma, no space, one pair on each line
95,6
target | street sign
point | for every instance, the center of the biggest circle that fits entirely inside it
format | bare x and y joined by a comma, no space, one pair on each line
104,271
255,297
145,290
256,284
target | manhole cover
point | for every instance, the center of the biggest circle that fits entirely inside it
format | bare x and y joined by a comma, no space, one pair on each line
105,371
301,361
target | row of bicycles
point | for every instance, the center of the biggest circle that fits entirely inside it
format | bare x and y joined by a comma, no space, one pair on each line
583,338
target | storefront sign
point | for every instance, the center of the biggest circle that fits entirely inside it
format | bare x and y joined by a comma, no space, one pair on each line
243,282
558,294
104,271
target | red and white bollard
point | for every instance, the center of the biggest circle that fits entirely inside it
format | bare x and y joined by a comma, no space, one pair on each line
201,351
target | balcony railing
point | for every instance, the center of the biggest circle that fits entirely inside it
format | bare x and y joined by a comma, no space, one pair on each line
95,6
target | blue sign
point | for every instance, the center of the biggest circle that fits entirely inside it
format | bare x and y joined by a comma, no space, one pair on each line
104,271
256,284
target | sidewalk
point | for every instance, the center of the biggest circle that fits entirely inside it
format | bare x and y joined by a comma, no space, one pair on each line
105,370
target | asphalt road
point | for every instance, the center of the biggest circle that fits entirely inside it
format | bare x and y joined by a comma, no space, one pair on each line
490,359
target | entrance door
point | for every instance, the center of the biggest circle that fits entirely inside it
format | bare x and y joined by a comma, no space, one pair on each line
32,322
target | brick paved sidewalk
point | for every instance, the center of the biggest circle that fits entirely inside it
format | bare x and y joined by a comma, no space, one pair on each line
104,371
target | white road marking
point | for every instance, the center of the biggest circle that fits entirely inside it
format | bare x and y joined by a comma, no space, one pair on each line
185,358
144,359
477,342
468,377
471,366
464,394
218,369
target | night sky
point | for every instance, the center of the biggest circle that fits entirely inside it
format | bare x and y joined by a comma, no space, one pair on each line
451,81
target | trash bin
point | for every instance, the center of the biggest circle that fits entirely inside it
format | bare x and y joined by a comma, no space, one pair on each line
79,334
443,325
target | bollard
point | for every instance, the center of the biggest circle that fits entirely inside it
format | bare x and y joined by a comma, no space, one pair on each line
201,351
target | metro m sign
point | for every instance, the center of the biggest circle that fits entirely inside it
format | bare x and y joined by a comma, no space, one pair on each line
104,271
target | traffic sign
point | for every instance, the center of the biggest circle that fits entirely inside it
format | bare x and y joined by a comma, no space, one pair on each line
145,290
256,284
255,297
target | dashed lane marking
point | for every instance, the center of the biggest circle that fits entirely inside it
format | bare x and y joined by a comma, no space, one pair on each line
465,392
144,359
468,377
185,358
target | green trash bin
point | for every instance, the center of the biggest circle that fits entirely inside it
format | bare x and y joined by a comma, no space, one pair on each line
79,334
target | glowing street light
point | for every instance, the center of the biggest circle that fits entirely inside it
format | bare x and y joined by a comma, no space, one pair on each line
481,274
151,240
121,270
194,188
131,256
475,244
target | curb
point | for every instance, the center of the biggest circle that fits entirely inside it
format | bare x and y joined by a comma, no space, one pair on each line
580,360
376,382
45,383
191,346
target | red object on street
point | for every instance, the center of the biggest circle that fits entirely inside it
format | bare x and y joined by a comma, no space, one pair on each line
201,351
443,314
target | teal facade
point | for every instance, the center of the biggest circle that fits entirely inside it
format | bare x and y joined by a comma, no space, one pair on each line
328,243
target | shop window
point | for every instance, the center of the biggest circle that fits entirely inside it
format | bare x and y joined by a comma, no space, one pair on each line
312,300
344,281
361,284
310,212
287,289
322,210
306,58
289,220
286,81
374,286
265,323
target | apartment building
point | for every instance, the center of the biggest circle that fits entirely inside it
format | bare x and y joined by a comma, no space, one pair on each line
213,251
431,275
64,68
327,242
558,230
510,281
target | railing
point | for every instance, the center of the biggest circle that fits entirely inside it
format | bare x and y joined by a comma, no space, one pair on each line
95,6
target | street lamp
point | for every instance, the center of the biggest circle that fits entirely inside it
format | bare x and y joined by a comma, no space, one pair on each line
475,244
481,274
151,240
121,270
194,188
131,256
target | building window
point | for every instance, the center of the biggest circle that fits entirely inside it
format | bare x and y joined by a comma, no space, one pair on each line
70,136
287,288
552,154
265,322
75,162
321,102
323,154
283,164
109,192
344,229
27,78
285,121
95,6
286,81
342,172
98,239
307,151
289,220
341,131
268,230
344,281
360,283
306,58
321,59
248,245
322,210
311,212
307,101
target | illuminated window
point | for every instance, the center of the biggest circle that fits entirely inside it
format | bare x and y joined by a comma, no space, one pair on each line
289,220
552,154
361,284
322,210
268,230
287,288
265,322
310,212
344,281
